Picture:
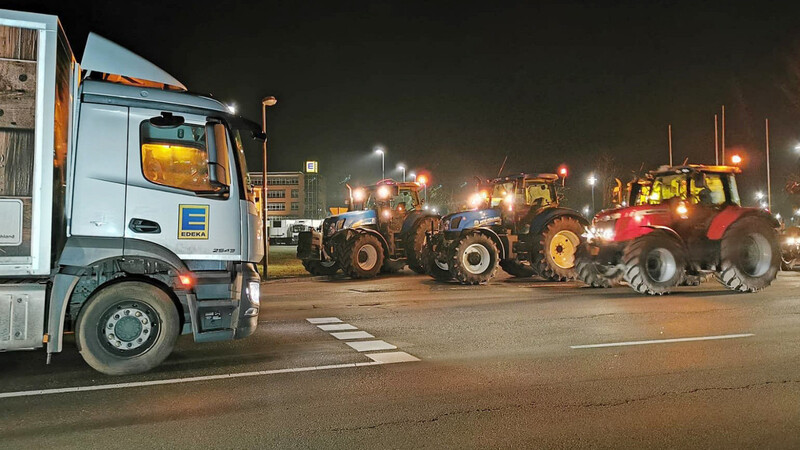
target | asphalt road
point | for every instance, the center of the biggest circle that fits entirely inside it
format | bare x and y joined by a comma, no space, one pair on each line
496,368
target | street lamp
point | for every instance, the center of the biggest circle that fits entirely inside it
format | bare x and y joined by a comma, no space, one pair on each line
562,171
759,195
403,168
413,175
592,181
265,103
736,160
379,150
423,180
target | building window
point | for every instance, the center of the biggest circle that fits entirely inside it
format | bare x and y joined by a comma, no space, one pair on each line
295,193
283,181
276,194
295,206
276,206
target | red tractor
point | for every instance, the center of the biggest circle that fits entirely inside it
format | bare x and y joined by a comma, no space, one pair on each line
689,225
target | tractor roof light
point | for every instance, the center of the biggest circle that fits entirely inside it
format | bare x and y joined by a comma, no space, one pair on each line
475,200
359,194
383,192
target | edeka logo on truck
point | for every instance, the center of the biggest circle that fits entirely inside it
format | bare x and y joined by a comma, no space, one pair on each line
192,221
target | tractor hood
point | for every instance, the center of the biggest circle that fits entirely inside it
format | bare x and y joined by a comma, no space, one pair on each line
352,219
471,219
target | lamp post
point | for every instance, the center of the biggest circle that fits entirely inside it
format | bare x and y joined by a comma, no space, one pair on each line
379,150
265,103
403,168
592,181
423,180
413,175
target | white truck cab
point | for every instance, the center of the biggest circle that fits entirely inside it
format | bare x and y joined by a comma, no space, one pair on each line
126,214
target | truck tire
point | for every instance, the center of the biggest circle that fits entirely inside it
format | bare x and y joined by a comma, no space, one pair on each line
474,259
654,264
127,328
749,255
439,270
516,268
416,242
360,256
321,268
593,273
553,258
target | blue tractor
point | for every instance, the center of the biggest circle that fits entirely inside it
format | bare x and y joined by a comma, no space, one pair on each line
386,229
516,224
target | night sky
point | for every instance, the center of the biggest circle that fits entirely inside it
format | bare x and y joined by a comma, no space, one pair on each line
454,87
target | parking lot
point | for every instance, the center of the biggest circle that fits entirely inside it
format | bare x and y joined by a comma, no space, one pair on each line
403,361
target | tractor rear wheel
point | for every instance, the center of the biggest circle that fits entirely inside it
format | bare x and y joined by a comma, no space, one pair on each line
360,256
434,267
516,268
321,268
553,258
593,273
654,263
474,259
416,240
749,255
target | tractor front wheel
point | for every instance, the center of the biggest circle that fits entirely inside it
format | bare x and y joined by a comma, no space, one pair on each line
593,273
654,263
417,240
435,267
749,255
474,259
321,268
360,256
516,268
554,256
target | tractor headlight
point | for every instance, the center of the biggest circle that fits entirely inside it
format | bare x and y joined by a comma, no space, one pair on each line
791,240
254,292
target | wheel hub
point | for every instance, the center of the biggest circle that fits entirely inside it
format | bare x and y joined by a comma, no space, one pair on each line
128,328
562,249
367,257
476,259
756,255
661,265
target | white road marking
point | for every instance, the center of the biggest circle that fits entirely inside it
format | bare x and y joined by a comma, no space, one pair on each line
352,335
337,327
320,320
391,357
371,346
227,376
664,341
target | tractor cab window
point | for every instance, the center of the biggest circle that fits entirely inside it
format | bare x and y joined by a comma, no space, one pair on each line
707,189
667,187
500,191
733,191
406,198
538,195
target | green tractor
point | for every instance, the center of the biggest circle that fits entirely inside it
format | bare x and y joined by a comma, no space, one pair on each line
516,224
384,231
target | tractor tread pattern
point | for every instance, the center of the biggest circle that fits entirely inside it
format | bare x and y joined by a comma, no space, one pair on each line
344,255
730,274
463,276
539,261
316,268
416,244
631,260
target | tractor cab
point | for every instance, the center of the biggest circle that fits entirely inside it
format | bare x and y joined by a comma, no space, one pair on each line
397,196
696,184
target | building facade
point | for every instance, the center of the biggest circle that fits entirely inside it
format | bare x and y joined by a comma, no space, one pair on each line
292,195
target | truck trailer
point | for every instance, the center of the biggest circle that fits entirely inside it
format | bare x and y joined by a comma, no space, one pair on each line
126,214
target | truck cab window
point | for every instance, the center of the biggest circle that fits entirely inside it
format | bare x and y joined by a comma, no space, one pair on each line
178,157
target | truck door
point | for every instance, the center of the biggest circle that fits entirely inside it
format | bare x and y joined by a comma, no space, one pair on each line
181,192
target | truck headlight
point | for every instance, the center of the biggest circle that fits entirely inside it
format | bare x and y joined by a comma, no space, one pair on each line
254,292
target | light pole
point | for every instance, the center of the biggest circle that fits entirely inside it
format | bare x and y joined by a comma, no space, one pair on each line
413,175
265,103
403,168
380,151
592,181
423,180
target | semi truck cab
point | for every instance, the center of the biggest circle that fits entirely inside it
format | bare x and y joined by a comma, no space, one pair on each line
130,217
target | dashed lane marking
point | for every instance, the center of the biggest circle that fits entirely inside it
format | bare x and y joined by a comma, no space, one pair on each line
664,341
371,346
345,335
337,327
391,357
321,320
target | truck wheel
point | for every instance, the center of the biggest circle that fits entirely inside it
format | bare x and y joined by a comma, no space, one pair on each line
516,268
361,256
593,273
434,267
749,255
127,328
554,256
416,244
654,263
321,268
474,259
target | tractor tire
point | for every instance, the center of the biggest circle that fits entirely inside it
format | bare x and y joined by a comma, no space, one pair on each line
439,270
553,258
654,264
516,268
474,259
127,328
750,255
360,256
416,240
593,273
392,266
321,268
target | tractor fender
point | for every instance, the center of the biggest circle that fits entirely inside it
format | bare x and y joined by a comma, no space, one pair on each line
548,215
722,221
349,233
491,235
672,233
